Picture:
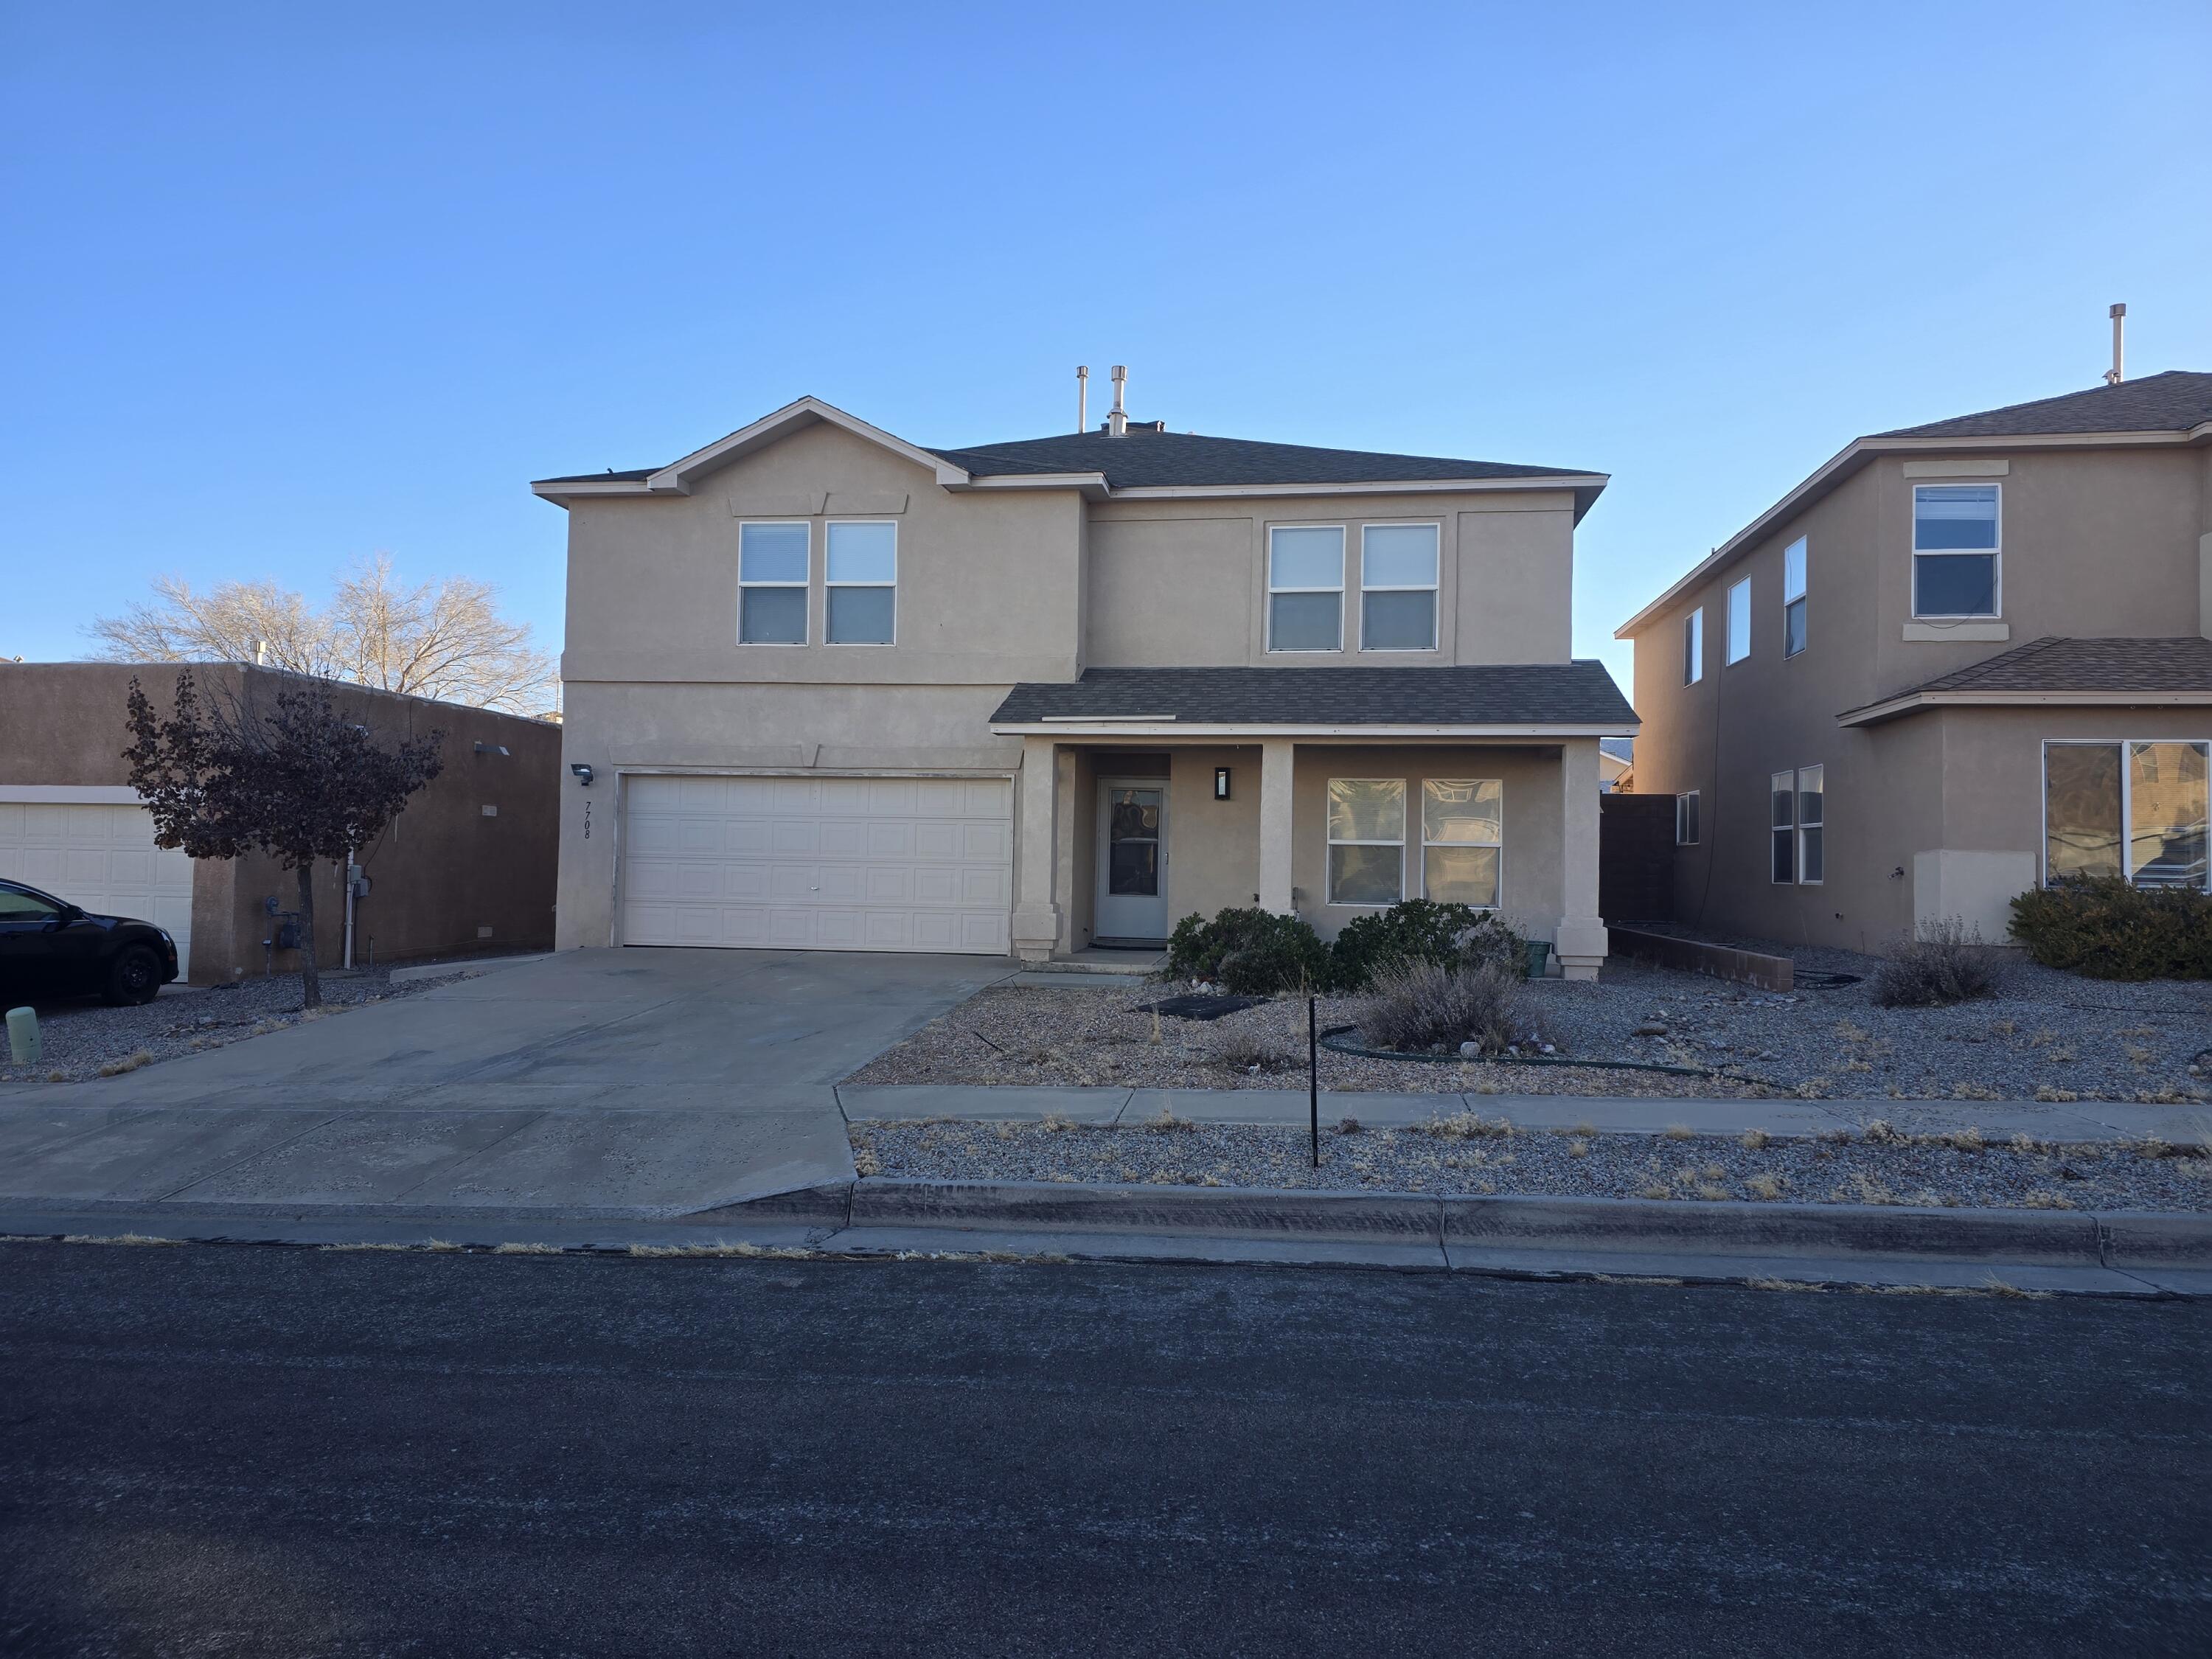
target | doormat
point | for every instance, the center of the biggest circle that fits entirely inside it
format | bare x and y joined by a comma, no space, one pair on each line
1196,1006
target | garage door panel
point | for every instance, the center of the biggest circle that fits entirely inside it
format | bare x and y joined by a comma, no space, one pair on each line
887,864
101,856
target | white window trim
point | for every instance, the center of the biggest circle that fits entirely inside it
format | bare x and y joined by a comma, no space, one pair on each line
1327,875
1680,797
1497,845
827,584
1694,647
1996,557
1797,810
2127,797
1729,654
1268,577
805,584
1804,553
1433,587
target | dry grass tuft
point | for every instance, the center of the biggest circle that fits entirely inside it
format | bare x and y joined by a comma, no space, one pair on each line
1996,1286
1056,1122
528,1249
738,1250
2043,1198
1713,1192
128,1063
1754,1141
1464,1125
1800,1284
1584,1128
116,1238
1579,1147
1165,1122
2051,1097
1681,1131
1657,1189
1881,1134
1632,1278
1968,1139
1768,1187
1816,1088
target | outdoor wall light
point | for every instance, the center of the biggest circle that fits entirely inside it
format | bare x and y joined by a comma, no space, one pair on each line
1221,783
491,749
583,773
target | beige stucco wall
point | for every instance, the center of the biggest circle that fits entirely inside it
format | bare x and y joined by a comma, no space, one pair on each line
2094,544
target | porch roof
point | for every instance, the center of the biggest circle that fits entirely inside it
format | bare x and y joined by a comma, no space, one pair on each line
1551,700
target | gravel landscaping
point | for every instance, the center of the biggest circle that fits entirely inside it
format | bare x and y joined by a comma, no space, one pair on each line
1466,1154
88,1039
2044,1034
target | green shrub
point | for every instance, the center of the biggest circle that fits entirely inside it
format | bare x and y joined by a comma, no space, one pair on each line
2109,928
1254,951
1942,962
1420,930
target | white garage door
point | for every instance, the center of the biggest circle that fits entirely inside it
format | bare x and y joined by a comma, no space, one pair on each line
103,858
820,864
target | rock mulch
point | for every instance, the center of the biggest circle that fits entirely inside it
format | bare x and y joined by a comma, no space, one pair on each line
2044,1035
1464,1154
88,1039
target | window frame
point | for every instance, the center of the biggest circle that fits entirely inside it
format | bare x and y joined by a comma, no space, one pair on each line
1267,582
1797,805
1730,653
2127,799
1996,612
1692,799
1497,845
805,585
1694,647
830,582
1328,863
1434,587
1782,786
1796,600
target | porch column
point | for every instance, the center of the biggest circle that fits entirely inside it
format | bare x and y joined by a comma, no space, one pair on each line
1063,881
1036,917
1579,941
1276,755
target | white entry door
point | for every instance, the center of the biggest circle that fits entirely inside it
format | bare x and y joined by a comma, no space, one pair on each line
1132,861
100,857
818,864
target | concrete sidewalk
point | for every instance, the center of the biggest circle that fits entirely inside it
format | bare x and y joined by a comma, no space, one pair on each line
2078,1123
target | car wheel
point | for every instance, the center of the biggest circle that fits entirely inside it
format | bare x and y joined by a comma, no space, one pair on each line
135,975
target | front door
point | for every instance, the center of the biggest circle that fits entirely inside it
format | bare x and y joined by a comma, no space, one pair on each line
1133,862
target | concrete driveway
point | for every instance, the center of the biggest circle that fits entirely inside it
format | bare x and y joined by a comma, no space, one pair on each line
636,1082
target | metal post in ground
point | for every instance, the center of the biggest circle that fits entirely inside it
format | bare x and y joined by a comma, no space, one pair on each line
1313,1080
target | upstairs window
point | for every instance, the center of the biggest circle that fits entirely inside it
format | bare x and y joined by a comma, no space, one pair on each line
1955,550
1366,840
772,584
1398,587
2138,810
1462,838
1694,647
861,592
1305,588
1739,621
1793,598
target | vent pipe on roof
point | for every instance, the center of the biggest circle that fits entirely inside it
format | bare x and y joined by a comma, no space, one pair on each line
2119,371
1082,396
1117,421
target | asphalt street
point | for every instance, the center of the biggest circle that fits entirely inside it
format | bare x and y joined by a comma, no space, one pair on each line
219,1450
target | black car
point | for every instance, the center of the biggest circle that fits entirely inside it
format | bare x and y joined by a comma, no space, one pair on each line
50,948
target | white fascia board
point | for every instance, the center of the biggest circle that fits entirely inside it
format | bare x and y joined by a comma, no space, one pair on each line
676,478
70,794
1857,453
1141,728
1566,481
1908,704
560,493
1092,485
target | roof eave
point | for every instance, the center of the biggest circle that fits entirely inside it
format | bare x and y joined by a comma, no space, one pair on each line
1109,727
1913,703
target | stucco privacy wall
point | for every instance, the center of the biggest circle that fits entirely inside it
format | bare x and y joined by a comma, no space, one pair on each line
1184,583
442,872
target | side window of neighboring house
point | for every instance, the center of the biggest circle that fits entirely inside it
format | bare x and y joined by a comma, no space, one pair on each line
1799,816
1366,840
772,584
861,590
1955,550
1305,588
1398,587
1694,647
1462,840
1793,598
2137,809
1685,818
1739,621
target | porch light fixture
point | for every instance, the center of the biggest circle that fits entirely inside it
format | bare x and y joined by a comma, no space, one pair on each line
1221,783
583,773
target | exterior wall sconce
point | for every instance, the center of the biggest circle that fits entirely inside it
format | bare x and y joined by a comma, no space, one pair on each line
1221,783
583,773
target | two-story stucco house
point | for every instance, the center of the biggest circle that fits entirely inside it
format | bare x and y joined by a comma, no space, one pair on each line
838,690
1959,660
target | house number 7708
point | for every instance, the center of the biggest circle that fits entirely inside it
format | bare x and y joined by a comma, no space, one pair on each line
587,820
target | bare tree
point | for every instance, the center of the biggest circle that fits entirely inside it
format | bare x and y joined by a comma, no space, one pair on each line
444,639
284,774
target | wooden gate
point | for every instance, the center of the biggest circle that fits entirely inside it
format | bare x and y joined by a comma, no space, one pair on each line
1636,858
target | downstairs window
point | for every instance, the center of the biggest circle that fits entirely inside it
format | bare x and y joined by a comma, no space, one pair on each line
2137,809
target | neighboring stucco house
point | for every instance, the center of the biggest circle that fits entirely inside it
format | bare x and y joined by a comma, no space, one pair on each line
1976,651
837,691
467,868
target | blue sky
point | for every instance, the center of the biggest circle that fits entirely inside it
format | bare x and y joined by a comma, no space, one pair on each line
291,285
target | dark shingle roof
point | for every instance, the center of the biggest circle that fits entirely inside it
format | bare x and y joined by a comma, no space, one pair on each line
634,475
1143,458
2175,401
1579,693
2051,666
